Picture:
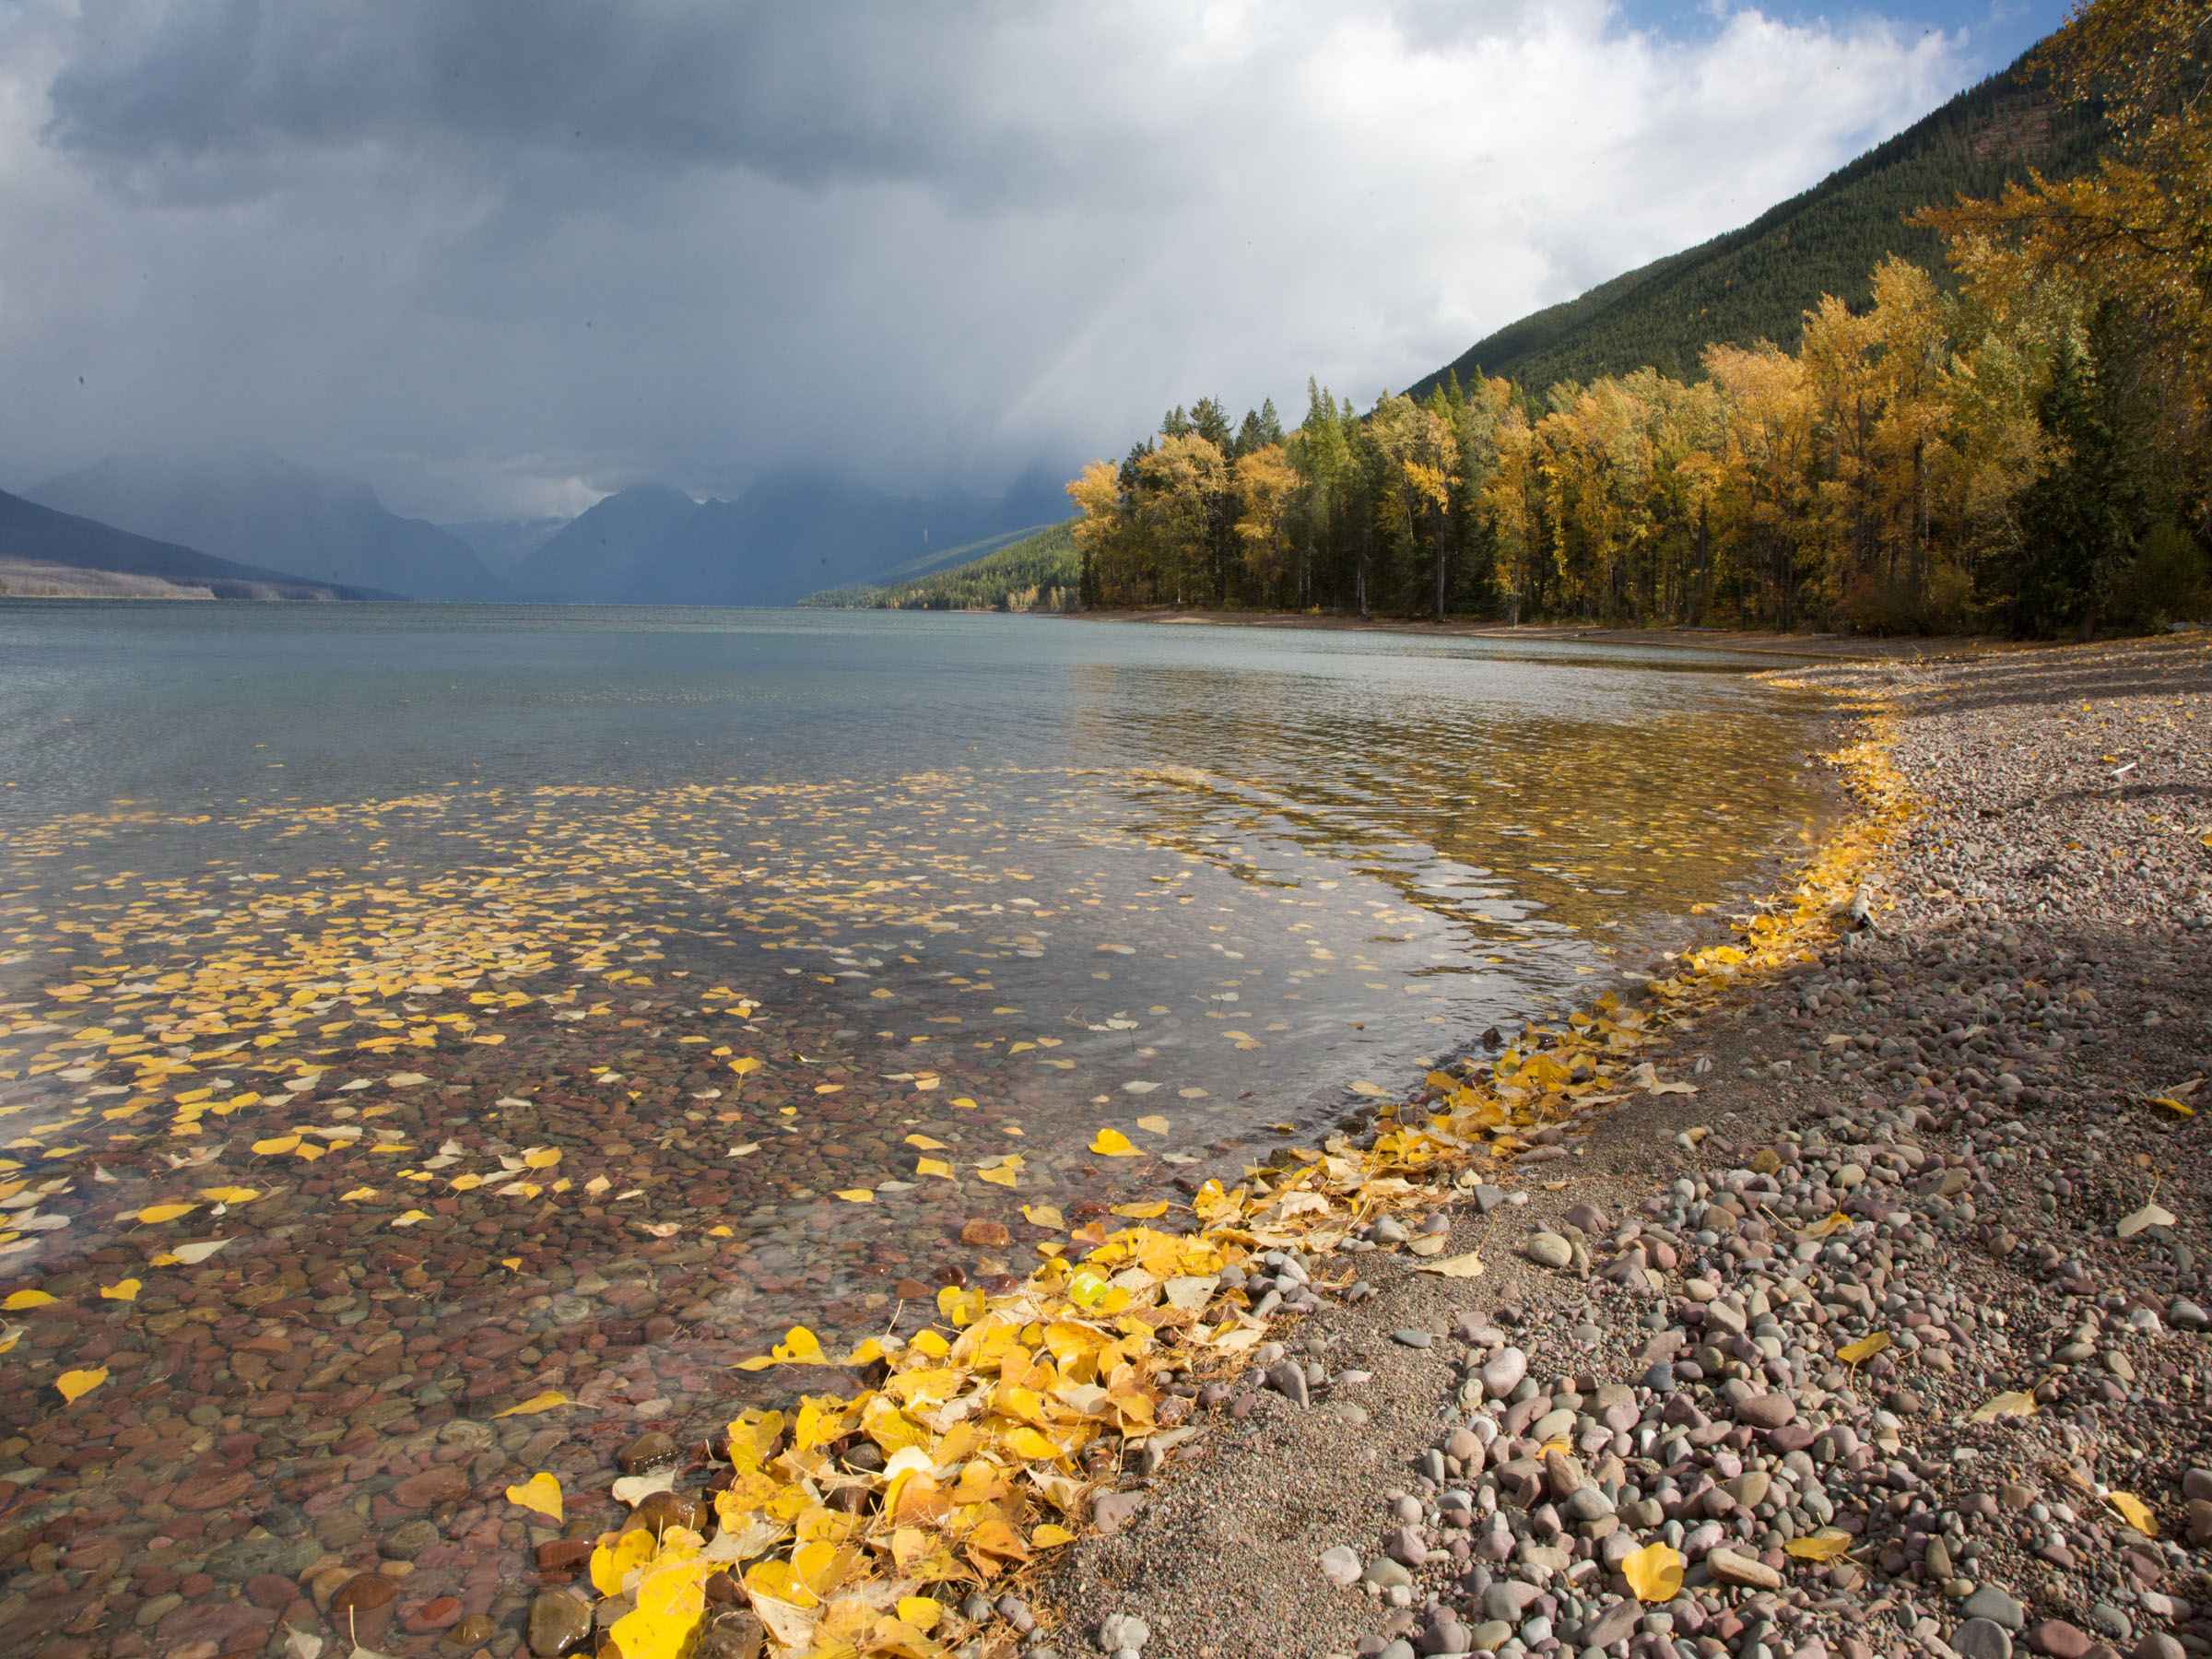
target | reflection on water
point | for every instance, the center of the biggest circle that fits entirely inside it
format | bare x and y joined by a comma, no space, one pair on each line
527,1000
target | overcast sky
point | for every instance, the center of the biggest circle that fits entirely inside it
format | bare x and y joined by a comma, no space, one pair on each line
502,256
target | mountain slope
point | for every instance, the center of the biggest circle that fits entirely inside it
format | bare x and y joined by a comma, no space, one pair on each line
267,512
1756,282
503,543
596,554
796,533
1038,570
40,535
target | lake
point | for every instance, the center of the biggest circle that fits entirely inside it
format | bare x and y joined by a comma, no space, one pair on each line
408,1009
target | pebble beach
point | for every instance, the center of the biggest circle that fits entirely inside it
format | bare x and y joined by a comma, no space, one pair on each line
1889,1339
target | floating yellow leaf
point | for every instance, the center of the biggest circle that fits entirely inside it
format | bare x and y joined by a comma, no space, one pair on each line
20,1299
1045,1215
799,1346
124,1290
1001,1175
2134,1511
413,1218
1142,1212
357,1195
230,1194
1865,1349
154,1213
541,1158
540,1492
1113,1143
547,1401
1654,1572
922,1143
858,1194
75,1385
275,1145
746,1066
932,1166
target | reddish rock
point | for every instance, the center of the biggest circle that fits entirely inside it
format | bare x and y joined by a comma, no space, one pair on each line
445,1484
985,1235
564,1555
211,1492
431,1615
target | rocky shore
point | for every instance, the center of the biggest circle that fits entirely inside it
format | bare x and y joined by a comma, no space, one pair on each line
1890,1338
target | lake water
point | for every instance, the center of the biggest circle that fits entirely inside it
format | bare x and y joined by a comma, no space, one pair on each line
530,999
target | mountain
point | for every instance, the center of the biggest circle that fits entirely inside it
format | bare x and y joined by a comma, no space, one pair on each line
503,543
1032,570
1758,282
796,533
31,535
271,512
596,557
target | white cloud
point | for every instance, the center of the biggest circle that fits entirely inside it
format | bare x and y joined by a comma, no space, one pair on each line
916,241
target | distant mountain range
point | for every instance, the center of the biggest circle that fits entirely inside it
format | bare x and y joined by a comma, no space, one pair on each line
787,536
263,511
1758,282
35,536
263,519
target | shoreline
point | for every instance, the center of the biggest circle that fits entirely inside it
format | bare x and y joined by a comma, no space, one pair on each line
1381,1503
1751,642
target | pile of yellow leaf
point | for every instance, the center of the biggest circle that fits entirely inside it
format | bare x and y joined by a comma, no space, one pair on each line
986,1434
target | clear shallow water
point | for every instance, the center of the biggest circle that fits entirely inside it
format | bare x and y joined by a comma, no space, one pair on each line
440,890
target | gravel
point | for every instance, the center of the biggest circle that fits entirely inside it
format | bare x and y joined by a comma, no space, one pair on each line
1854,1330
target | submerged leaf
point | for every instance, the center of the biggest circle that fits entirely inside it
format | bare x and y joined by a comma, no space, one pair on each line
540,1492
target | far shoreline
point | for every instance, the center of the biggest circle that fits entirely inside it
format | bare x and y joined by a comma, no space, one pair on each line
1824,647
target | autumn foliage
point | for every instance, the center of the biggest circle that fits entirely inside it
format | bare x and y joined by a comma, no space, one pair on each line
2027,448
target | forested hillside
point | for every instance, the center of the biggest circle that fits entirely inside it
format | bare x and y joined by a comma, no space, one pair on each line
1756,283
2019,439
1039,572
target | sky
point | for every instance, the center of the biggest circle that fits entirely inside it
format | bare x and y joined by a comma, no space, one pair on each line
501,257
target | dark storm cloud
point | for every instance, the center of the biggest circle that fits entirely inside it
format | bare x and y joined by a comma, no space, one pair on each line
493,254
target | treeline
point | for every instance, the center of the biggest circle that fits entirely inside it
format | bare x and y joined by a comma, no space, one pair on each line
2029,452
1036,573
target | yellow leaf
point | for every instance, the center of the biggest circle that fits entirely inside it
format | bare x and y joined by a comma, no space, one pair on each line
1045,1215
932,1166
547,1401
231,1194
1865,1349
1654,1572
1113,1143
413,1218
2134,1511
858,1194
799,1346
1824,1546
920,1611
1834,1222
20,1299
1002,1175
155,1213
74,1384
513,1263
2012,1402
540,1492
276,1144
1141,1212
356,1196
1049,1536
1458,1267
746,1066
613,1563
2177,1106
1154,1122
121,1290
922,1143
541,1158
